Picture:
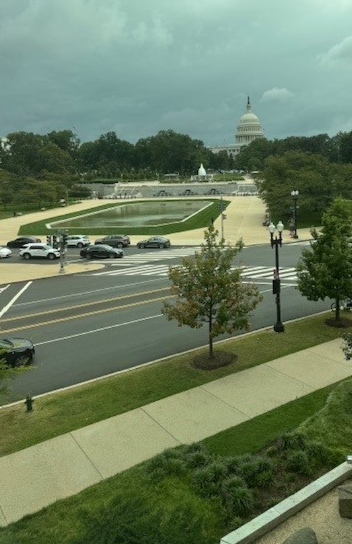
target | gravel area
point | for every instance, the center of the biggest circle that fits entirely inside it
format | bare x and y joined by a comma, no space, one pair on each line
322,516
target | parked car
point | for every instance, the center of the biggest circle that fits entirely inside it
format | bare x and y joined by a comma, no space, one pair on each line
154,241
77,240
114,240
101,251
39,251
22,241
5,252
16,351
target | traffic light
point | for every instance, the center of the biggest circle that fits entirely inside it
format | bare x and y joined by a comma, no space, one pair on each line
48,240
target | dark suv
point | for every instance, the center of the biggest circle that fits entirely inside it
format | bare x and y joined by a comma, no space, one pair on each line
114,240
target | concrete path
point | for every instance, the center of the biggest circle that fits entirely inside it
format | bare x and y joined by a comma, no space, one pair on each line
40,475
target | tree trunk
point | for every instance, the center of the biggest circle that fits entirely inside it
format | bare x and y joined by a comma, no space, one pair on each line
211,352
337,312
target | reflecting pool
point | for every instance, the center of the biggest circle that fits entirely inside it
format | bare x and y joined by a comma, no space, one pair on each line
137,214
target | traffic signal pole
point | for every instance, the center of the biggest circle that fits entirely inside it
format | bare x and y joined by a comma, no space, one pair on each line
62,246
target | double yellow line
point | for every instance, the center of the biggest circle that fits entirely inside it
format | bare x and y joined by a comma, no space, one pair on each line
85,305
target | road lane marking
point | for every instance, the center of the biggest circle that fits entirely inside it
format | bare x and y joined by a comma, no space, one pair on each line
85,304
12,301
80,316
98,330
79,294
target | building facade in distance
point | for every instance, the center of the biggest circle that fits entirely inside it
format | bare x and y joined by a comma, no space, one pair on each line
248,129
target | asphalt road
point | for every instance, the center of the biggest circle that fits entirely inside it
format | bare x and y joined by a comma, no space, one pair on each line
90,325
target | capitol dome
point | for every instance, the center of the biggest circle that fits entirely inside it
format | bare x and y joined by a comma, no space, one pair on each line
249,127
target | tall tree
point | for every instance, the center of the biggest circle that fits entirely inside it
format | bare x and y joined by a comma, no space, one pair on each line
208,290
325,270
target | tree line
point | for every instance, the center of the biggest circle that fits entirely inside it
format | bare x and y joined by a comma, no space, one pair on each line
55,164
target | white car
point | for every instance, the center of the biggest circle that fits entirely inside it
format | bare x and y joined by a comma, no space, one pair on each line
77,240
43,251
5,252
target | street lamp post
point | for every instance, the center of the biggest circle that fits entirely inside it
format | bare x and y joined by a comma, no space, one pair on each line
295,195
276,242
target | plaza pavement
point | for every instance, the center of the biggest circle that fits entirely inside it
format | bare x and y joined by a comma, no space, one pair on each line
35,477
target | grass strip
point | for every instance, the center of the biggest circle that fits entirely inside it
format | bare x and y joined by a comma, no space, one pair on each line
59,413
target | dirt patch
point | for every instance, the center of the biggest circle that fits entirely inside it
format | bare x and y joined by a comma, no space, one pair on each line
342,323
221,358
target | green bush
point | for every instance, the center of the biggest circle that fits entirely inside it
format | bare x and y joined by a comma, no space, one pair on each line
233,464
257,472
165,465
198,459
132,521
238,499
208,480
298,461
291,441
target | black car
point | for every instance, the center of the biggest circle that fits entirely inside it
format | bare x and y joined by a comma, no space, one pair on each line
23,240
154,241
16,351
101,251
114,240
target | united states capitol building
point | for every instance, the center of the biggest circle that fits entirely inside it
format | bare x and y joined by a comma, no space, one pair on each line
248,129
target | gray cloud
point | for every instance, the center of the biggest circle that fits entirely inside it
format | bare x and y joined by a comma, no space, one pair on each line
140,67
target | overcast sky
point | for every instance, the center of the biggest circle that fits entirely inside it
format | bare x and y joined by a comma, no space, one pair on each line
139,66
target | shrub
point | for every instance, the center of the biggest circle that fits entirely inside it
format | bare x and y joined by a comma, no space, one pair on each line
198,459
297,461
165,465
258,471
208,480
291,441
238,500
131,521
234,463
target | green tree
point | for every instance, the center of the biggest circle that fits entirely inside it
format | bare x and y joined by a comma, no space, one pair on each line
208,290
325,270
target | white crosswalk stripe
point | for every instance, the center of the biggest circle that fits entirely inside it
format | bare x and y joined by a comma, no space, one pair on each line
250,272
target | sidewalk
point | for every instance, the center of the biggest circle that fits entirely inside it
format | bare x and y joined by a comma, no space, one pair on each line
38,476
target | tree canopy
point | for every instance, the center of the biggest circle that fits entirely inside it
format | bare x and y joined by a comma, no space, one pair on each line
325,269
209,290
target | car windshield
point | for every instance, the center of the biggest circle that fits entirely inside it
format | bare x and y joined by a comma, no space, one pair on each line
104,246
5,344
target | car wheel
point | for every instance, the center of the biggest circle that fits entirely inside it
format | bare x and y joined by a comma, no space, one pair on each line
140,246
26,256
80,245
22,360
161,246
119,245
88,256
112,255
51,256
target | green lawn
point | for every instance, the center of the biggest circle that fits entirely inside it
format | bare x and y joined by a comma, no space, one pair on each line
200,220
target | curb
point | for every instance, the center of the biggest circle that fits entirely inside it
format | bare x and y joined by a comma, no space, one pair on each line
270,519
